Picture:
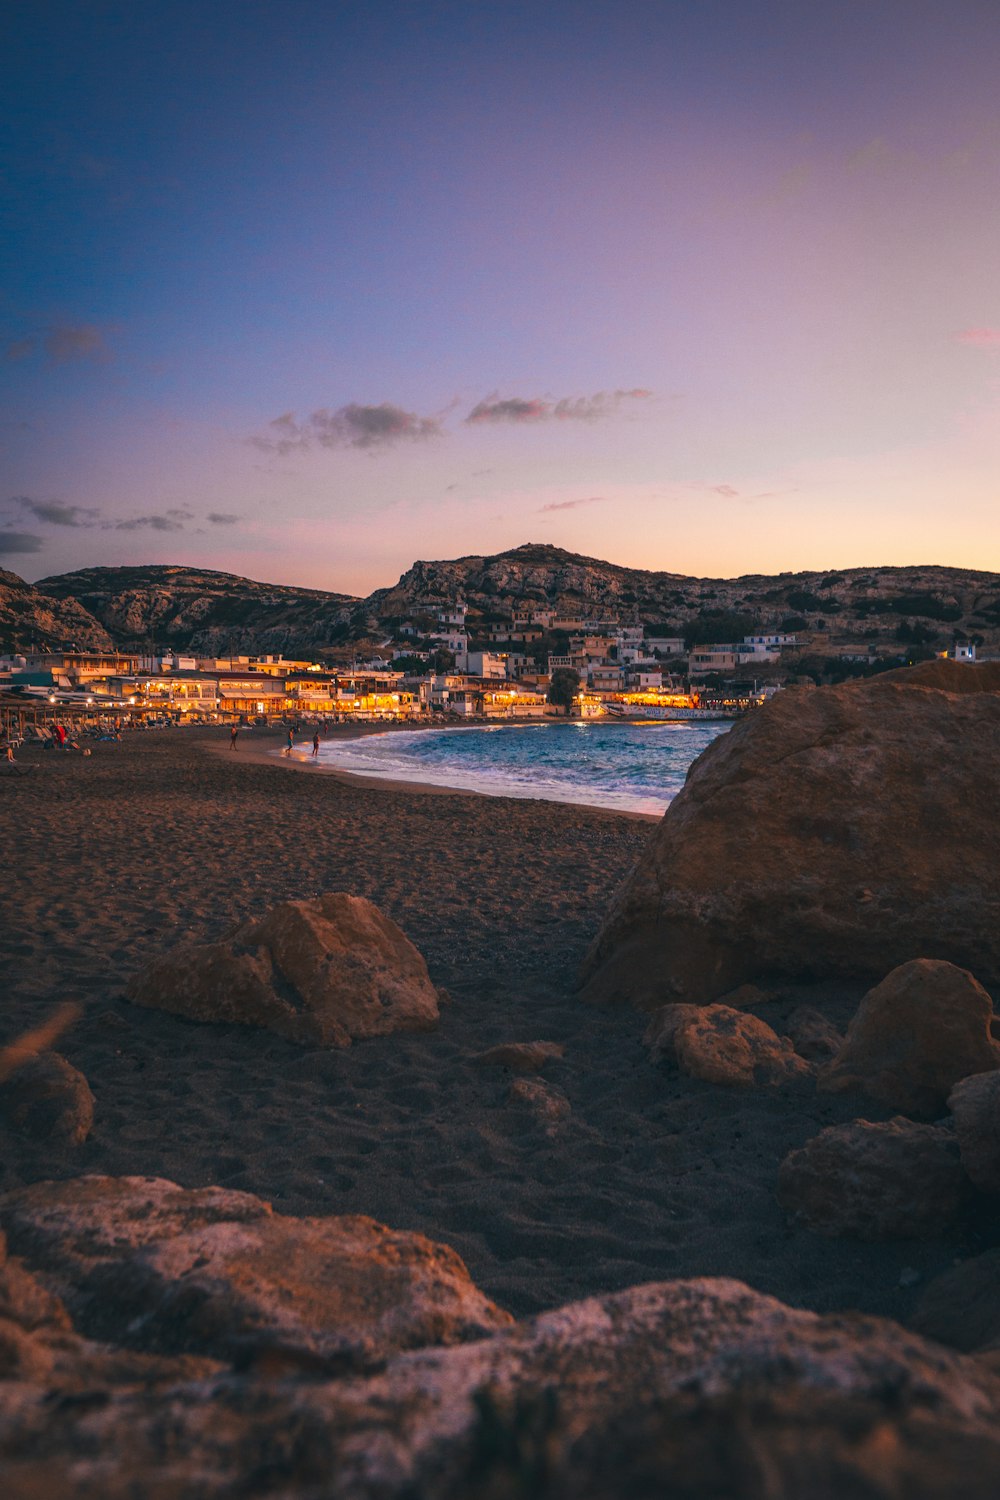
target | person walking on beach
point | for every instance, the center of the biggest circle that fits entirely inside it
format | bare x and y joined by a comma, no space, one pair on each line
234,731
291,740
315,745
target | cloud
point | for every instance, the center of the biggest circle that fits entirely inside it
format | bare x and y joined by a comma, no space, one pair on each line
572,504
351,426
62,343
58,513
223,518
522,409
12,542
980,338
171,520
725,490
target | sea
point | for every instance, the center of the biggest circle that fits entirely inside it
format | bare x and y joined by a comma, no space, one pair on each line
627,767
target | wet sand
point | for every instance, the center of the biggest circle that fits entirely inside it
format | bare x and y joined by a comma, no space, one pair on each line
169,835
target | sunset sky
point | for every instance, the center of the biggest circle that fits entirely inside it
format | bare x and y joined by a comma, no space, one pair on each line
308,290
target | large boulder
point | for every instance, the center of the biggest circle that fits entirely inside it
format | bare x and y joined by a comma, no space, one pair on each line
721,1045
835,831
975,1107
46,1097
700,1389
890,1180
320,972
914,1036
219,1274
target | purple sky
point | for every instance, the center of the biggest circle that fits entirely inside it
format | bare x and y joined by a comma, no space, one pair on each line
308,290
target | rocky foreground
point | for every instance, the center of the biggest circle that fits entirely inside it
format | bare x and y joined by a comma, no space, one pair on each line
836,1140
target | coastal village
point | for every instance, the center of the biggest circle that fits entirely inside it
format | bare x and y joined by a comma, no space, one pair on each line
453,667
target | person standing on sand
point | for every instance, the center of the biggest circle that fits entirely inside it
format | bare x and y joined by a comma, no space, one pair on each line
315,745
234,731
291,740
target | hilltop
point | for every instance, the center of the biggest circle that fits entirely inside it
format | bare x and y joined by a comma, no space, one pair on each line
200,610
211,612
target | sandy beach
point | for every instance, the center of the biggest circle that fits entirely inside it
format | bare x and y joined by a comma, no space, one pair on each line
169,835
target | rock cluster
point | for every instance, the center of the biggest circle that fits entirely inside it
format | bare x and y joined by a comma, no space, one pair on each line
319,972
836,831
699,1388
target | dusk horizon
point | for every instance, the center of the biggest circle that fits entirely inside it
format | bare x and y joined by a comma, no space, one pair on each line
322,290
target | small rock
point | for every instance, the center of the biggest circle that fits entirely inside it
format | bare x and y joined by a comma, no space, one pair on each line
724,1046
813,1035
319,972
520,1057
547,1104
49,1099
975,1104
961,1307
915,1035
892,1180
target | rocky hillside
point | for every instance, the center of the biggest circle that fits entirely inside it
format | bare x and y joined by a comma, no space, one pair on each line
934,601
194,609
31,618
187,608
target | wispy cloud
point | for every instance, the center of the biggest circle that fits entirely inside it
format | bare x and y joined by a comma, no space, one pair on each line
171,520
62,343
13,543
572,504
725,490
528,409
352,426
222,518
980,338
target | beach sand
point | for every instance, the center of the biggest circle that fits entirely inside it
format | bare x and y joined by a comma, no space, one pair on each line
169,836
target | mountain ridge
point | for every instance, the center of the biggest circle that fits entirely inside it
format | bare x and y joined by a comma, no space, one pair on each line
214,612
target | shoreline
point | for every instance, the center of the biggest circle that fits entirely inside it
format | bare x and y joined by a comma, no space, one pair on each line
270,755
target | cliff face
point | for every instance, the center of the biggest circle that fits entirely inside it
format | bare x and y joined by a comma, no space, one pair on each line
202,611
208,612
29,617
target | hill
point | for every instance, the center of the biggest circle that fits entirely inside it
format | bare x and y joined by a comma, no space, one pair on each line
220,613
30,617
194,609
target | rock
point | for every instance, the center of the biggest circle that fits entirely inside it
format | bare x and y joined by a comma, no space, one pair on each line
520,1057
975,1106
219,1274
961,1307
837,831
812,1035
926,1026
547,1105
892,1180
700,1389
318,972
724,1046
46,1097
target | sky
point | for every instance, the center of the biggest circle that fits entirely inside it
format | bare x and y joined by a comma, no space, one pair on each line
305,290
